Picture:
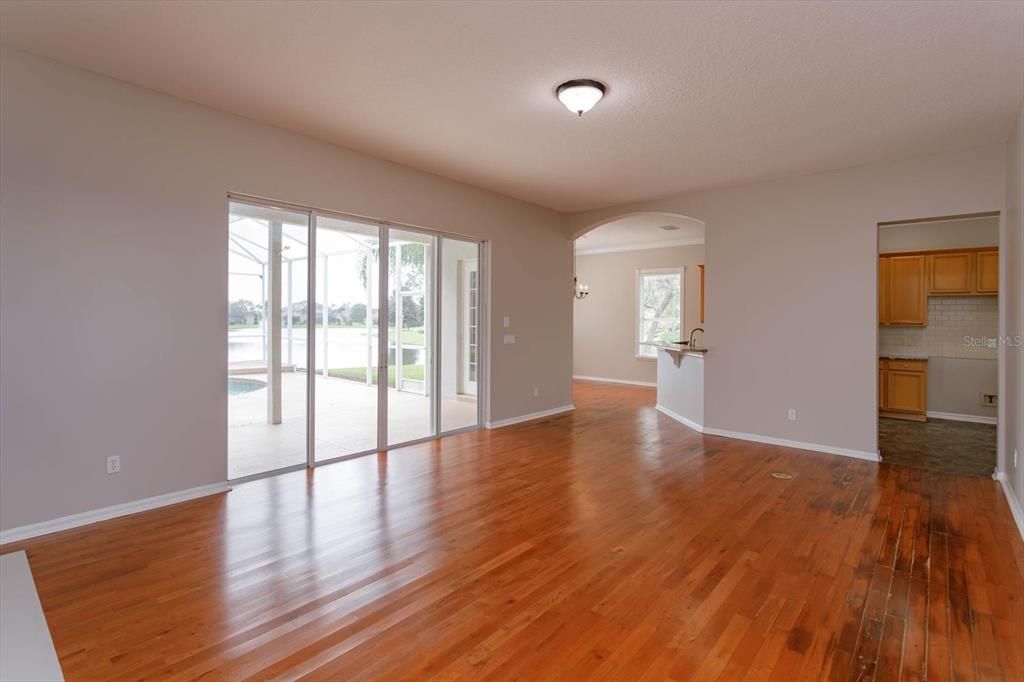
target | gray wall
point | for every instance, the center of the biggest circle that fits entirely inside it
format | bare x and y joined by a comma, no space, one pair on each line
792,287
1012,298
113,279
603,323
955,385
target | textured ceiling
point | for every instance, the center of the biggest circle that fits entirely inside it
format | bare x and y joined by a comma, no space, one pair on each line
700,94
641,231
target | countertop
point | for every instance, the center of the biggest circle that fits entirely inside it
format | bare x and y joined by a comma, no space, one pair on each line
678,348
902,356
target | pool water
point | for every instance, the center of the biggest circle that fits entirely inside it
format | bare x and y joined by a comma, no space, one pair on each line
238,386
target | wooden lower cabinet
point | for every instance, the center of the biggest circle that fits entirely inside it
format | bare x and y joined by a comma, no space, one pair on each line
903,388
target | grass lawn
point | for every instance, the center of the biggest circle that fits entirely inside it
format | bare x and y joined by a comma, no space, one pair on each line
414,372
411,336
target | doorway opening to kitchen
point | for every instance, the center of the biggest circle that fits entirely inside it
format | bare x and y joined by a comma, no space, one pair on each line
938,343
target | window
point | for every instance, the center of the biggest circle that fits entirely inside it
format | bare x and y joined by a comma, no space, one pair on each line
659,309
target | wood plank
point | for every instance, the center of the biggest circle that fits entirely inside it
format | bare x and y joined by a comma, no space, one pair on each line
611,543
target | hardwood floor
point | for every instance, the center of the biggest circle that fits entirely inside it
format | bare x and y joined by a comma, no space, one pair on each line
610,544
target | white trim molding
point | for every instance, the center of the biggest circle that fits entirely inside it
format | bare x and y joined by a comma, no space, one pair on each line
640,246
689,423
816,447
953,416
106,513
608,380
530,417
1012,501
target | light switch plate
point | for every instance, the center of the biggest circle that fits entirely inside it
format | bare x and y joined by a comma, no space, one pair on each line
510,339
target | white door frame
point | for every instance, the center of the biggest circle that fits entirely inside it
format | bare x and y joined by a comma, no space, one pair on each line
466,385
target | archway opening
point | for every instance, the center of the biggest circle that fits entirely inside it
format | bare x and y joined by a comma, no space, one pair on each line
639,282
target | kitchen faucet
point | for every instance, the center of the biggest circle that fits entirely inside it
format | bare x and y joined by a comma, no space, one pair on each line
695,330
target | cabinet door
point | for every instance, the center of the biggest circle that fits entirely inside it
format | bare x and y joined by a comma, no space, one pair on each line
951,273
906,291
987,281
905,391
882,401
883,291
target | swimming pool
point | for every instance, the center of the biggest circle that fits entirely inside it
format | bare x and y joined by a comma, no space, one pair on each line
237,386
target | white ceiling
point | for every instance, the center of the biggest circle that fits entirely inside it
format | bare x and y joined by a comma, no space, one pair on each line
700,94
641,231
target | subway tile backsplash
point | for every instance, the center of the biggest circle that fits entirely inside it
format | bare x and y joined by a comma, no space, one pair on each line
950,319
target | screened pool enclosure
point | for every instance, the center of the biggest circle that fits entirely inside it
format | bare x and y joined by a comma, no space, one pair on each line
309,379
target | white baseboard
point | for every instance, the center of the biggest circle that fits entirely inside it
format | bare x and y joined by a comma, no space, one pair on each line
606,380
699,428
953,416
529,417
96,515
817,447
1011,499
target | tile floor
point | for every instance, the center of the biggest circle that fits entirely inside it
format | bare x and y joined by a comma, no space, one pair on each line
939,445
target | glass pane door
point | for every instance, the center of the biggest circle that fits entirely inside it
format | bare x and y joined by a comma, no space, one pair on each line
460,333
266,378
411,411
347,337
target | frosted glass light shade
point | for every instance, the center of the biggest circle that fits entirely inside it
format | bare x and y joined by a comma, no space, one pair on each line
580,96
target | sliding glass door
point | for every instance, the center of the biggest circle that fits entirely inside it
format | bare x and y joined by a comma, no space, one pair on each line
266,379
411,413
460,333
345,337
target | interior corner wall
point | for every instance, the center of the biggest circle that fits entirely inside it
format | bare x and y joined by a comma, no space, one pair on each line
791,287
113,279
1012,294
604,323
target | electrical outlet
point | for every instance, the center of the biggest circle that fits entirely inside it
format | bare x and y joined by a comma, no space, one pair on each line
536,392
988,399
792,415
507,322
1015,458
509,339
114,464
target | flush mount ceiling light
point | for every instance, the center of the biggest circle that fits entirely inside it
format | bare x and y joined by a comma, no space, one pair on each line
579,96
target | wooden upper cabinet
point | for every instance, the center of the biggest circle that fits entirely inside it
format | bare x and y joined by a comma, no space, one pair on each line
987,276
906,288
951,273
883,290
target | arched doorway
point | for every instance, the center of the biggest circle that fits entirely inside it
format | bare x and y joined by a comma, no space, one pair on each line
639,280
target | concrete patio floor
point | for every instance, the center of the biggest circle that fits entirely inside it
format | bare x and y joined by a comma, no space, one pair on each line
346,422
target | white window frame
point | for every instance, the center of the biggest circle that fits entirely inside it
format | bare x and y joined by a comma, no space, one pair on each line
640,274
